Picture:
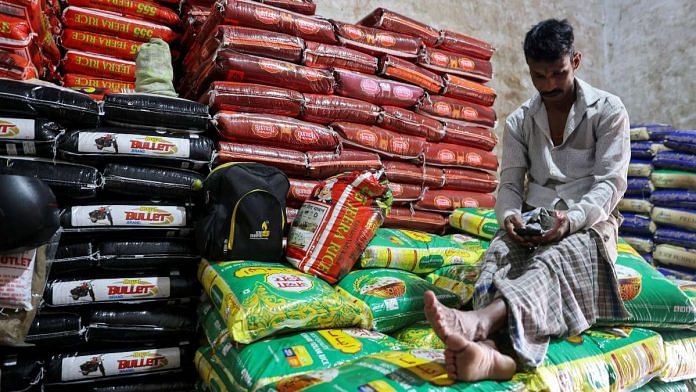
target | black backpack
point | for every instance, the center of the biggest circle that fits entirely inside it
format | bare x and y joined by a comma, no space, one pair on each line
245,213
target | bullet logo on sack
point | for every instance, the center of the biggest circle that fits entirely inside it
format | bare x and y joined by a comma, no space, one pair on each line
266,16
265,131
367,138
473,158
133,287
8,129
370,87
143,359
153,144
148,216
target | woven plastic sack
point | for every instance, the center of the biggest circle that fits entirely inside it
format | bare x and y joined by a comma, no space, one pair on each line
684,141
390,299
246,292
645,149
684,199
673,179
682,218
254,366
676,237
382,18
635,205
419,252
642,244
324,164
419,336
324,56
154,72
336,224
253,98
467,90
480,222
656,132
680,350
638,224
675,160
290,162
675,255
445,200
639,168
379,140
458,278
410,123
639,187
408,219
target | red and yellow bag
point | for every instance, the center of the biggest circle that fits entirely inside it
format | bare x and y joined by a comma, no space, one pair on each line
324,164
447,200
460,88
455,63
334,227
120,26
14,66
325,56
101,44
140,9
99,84
437,105
445,154
379,140
405,218
99,66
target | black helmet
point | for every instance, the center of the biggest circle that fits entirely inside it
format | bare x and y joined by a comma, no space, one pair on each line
29,213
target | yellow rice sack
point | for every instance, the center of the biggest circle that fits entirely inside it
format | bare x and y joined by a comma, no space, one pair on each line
420,335
680,353
476,221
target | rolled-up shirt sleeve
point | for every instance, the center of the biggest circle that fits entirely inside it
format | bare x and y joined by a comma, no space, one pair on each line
610,170
514,164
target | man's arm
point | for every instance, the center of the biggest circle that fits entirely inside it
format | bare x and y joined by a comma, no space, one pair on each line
612,155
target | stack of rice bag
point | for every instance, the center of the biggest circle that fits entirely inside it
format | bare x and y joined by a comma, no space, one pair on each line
315,98
119,306
102,38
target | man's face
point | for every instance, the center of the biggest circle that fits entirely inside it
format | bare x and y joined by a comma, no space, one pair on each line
554,80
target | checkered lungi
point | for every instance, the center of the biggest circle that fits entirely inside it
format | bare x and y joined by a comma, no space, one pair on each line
556,290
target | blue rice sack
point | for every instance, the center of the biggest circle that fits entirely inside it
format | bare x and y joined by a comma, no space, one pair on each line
675,160
685,219
682,141
648,257
677,273
677,237
639,168
636,205
637,224
656,132
673,179
677,198
641,244
642,150
639,186
675,256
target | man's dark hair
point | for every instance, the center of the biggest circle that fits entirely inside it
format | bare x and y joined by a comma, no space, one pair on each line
549,40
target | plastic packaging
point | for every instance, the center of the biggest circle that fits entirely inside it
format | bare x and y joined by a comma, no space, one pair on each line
372,138
318,55
376,90
444,200
675,160
101,44
673,179
253,98
95,85
398,69
460,43
420,336
98,65
119,26
639,168
68,180
155,112
382,18
323,164
683,140
152,181
471,136
140,9
408,173
466,90
675,256
289,161
28,136
407,122
405,193
480,222
408,219
452,155
675,217
639,187
676,198
325,109
109,217
140,325
375,41
638,224
306,7
469,180
457,278
677,237
455,109
636,205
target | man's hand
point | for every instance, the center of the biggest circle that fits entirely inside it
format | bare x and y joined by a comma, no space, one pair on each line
513,221
557,233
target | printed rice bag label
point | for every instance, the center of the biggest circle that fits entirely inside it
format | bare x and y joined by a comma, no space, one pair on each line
123,363
635,205
673,179
675,255
105,290
420,335
680,350
17,128
390,299
459,279
257,300
128,215
476,221
127,144
16,272
674,217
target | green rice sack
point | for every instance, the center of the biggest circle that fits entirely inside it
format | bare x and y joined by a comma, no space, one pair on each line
658,386
390,299
459,279
673,179
253,366
598,361
258,299
652,299
420,335
210,371
675,217
475,221
420,252
675,255
393,371
637,205
680,353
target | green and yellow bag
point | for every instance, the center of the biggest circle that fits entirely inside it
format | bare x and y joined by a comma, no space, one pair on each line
420,335
257,299
475,221
210,372
459,279
390,299
258,364
420,252
680,353
680,386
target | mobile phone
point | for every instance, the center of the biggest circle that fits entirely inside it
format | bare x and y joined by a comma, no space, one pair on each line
527,231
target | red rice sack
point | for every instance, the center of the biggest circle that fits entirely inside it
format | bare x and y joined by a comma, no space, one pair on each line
405,218
444,154
306,7
376,90
323,164
88,83
471,136
384,19
334,227
408,173
470,180
31,53
460,88
440,106
274,131
458,64
324,56
140,9
377,42
325,109
405,193
380,140
15,31
460,43
289,161
396,68
410,123
100,66
237,67
265,17
29,10
14,66
250,41
300,190
290,215
100,44
447,200
118,26
253,98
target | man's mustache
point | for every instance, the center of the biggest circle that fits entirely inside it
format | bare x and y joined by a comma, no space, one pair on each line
551,93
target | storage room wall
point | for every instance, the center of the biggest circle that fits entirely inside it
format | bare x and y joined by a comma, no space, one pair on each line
651,59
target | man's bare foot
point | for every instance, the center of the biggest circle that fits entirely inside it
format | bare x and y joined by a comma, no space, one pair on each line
447,321
475,361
